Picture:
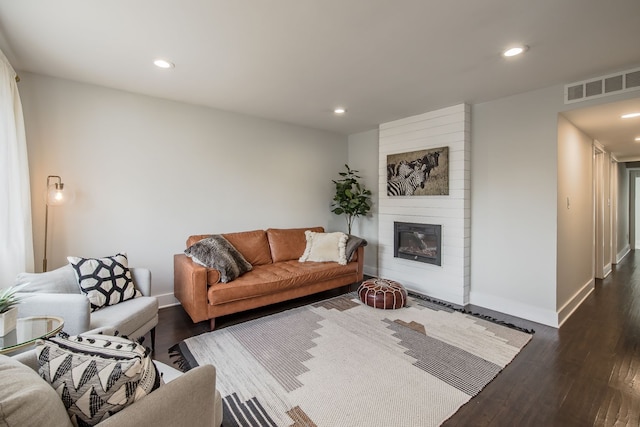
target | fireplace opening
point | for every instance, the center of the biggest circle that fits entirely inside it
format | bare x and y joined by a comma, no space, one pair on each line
417,242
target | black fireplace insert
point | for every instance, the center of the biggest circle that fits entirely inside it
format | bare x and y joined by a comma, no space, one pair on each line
418,242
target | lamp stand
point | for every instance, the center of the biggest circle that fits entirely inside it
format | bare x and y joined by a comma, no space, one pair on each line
46,229
53,197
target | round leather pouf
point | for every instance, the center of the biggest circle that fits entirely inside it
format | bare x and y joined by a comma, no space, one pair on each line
382,293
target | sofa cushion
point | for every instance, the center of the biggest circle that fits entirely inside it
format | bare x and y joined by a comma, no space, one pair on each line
26,399
59,281
96,376
253,245
288,243
322,247
126,317
278,277
105,281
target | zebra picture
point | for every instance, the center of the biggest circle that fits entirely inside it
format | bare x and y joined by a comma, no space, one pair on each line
406,186
419,173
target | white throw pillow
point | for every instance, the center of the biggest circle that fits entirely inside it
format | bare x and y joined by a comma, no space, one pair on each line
324,247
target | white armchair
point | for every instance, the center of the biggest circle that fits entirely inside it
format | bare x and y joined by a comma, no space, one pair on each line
56,293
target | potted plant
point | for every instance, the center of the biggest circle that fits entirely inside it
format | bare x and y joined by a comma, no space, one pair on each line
8,310
352,199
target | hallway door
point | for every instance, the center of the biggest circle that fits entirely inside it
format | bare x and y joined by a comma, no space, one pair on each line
598,160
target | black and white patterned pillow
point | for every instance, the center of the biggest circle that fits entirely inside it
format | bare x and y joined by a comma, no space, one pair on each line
96,376
105,281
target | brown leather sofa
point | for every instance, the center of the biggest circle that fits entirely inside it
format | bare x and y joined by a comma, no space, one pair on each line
277,275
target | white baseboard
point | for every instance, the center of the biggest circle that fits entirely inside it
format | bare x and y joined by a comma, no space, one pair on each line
567,310
623,253
524,311
437,294
607,270
167,300
574,302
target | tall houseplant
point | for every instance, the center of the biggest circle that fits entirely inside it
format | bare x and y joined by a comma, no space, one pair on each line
352,199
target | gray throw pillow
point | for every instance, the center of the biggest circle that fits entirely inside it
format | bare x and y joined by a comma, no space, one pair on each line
59,281
216,252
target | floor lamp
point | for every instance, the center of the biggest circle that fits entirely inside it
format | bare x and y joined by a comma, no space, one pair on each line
56,195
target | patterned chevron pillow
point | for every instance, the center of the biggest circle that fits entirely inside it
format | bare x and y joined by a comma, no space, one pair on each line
96,375
105,281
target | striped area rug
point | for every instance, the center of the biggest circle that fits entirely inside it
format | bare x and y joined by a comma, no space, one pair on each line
342,363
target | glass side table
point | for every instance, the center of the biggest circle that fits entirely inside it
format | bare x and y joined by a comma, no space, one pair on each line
29,329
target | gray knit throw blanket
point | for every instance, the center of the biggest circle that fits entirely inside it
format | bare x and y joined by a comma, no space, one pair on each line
216,252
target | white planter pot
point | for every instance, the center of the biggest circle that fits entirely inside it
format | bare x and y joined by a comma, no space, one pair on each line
8,321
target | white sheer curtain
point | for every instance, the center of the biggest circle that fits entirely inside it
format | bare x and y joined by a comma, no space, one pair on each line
16,237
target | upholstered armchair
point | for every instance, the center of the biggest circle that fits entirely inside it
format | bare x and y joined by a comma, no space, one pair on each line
188,399
56,293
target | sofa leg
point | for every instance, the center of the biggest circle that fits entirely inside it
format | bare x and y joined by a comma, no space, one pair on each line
212,324
153,339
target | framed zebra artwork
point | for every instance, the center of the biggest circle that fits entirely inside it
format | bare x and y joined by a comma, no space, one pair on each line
418,173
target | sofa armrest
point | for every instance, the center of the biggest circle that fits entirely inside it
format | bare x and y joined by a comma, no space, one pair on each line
190,287
75,309
360,261
142,280
188,400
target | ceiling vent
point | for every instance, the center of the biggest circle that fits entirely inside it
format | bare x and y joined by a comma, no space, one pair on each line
612,84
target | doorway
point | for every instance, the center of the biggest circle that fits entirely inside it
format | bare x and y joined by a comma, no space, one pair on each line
603,244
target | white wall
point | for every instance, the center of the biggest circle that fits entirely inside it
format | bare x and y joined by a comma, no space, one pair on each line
363,156
575,217
447,127
633,208
623,212
637,205
150,172
513,204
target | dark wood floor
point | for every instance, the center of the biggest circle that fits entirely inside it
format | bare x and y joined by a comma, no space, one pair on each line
584,374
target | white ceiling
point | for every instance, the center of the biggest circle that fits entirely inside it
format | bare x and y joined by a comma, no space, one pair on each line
604,123
295,60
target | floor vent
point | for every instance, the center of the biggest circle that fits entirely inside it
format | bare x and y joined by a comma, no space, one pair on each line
611,84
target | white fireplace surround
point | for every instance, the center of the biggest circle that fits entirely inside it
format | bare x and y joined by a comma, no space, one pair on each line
447,127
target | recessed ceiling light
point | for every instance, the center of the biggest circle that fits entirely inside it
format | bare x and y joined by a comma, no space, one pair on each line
630,115
638,139
340,110
163,63
517,50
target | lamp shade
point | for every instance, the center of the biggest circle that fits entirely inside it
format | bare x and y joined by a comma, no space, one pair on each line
59,194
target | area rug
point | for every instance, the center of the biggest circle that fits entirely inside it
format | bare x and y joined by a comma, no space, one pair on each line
340,362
